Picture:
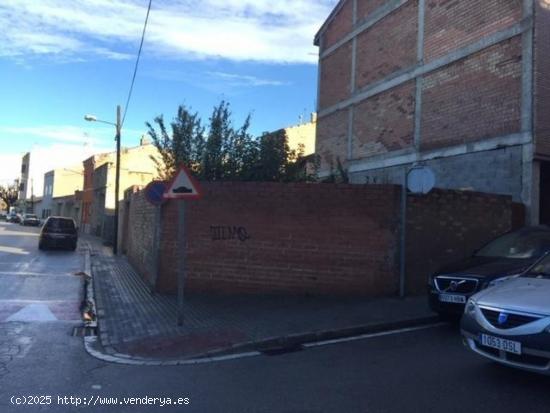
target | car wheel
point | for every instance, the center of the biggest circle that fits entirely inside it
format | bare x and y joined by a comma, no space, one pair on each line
73,247
41,246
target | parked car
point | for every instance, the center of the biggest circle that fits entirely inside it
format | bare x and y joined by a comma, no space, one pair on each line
510,323
3,216
505,257
58,232
30,219
14,218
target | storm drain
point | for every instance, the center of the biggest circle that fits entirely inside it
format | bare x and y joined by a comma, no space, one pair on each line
84,331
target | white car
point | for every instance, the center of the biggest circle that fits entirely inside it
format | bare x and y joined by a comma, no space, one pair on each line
510,322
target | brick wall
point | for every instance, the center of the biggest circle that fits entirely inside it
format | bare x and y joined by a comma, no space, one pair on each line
447,226
137,226
331,142
335,77
542,78
451,24
366,7
473,99
385,122
383,50
293,238
340,25
310,238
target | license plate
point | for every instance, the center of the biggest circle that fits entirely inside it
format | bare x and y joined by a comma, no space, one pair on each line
452,298
501,344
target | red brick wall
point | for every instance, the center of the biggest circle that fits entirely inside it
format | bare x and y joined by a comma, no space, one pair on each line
542,79
297,238
366,7
382,49
451,24
475,98
139,234
312,238
335,77
339,26
384,122
331,142
447,226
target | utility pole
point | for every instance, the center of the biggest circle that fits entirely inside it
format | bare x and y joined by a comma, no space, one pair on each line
32,196
117,180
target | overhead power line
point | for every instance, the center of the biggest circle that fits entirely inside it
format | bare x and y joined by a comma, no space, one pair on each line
137,63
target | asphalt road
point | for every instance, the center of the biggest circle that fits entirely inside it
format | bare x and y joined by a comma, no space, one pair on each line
426,370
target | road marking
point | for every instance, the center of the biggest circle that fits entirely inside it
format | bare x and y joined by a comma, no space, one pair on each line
33,312
372,335
35,274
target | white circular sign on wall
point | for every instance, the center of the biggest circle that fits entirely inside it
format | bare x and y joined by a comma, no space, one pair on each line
420,180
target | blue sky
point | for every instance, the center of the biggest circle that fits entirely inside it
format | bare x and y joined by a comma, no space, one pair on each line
60,60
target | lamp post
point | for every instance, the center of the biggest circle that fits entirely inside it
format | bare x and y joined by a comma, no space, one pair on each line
117,125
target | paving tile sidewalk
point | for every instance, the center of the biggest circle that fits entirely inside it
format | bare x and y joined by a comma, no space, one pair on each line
134,321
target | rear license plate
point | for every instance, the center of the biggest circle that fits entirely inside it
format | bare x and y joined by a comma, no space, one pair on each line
452,298
501,344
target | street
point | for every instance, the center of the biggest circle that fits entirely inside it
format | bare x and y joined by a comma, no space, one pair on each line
422,370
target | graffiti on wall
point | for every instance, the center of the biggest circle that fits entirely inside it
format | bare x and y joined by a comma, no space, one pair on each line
225,233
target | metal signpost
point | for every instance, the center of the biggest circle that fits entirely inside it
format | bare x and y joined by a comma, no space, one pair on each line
183,187
154,193
418,180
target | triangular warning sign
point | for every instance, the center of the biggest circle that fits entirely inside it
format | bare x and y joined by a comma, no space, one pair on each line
183,186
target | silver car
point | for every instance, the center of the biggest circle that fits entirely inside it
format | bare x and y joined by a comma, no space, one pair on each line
510,322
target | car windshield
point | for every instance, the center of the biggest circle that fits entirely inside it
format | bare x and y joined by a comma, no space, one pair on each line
520,244
61,224
540,269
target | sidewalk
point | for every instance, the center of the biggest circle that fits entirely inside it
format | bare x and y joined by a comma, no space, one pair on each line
135,322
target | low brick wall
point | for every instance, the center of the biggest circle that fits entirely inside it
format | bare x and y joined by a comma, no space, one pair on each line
310,238
447,226
286,238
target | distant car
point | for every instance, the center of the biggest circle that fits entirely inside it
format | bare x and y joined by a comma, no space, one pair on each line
510,323
30,219
58,232
505,257
3,216
14,218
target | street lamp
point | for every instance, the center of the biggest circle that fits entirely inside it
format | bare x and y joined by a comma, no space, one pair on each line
117,125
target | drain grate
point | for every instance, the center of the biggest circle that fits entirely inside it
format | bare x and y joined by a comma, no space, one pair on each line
84,331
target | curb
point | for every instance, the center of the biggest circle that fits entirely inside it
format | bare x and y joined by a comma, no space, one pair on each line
275,344
94,347
100,348
89,314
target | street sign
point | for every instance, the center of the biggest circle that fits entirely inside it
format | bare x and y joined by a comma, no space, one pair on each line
420,180
183,186
154,192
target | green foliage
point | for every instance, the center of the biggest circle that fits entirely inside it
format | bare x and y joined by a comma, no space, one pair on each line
226,153
184,145
9,194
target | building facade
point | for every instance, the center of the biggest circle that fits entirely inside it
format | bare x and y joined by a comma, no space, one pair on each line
98,195
60,183
458,86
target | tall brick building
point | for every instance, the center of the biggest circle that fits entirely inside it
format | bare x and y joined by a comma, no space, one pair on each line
462,86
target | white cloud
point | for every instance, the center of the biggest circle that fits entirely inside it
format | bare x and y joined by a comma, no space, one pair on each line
10,165
245,80
259,30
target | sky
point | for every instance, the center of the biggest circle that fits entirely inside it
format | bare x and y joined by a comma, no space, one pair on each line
62,59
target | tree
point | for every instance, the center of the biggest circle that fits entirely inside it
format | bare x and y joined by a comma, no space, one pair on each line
9,194
227,153
185,144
